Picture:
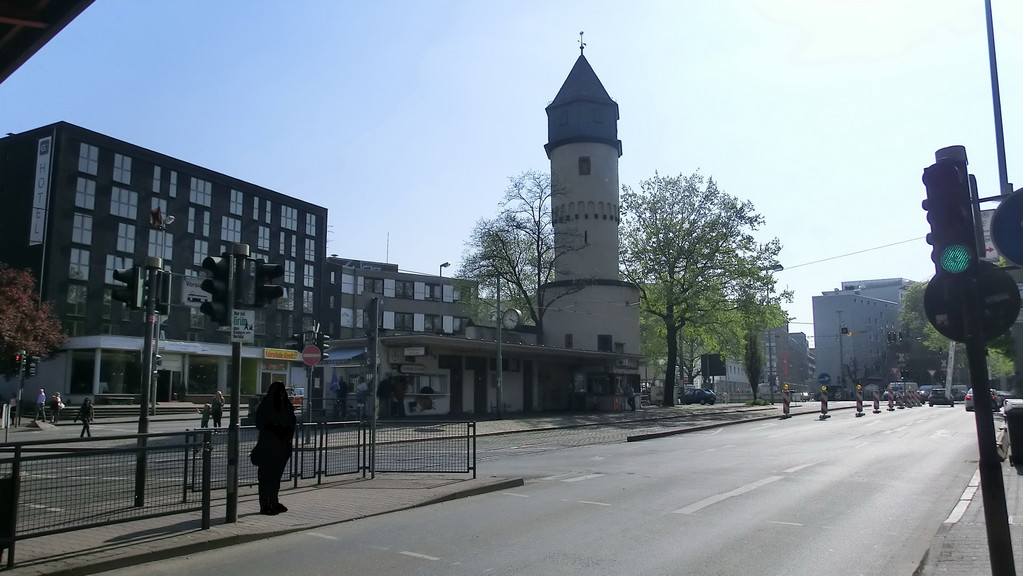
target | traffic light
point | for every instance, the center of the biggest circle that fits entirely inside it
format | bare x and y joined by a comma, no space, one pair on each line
31,363
163,294
133,293
265,290
219,286
321,343
900,335
903,374
19,363
949,207
297,341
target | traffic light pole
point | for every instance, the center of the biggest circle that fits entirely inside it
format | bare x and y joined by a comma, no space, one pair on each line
153,267
240,252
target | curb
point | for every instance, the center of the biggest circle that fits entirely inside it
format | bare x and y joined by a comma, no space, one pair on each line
653,435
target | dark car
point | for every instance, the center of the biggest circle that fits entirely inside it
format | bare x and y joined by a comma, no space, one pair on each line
698,396
958,393
939,396
924,391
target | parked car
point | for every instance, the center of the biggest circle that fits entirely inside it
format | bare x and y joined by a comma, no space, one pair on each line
698,396
958,393
924,392
968,402
939,396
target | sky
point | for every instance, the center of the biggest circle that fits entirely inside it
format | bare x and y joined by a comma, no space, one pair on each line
407,119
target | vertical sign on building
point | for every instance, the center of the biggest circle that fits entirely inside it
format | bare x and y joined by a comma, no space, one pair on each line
41,192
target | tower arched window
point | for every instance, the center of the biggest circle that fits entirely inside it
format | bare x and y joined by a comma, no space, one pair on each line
600,207
591,208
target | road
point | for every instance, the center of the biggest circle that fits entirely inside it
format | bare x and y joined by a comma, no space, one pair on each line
796,497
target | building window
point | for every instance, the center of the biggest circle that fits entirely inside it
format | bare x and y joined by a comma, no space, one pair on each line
172,190
310,276
231,229
263,243
124,203
604,343
373,285
88,158
85,194
191,220
160,203
200,251
310,249
294,246
404,321
286,302
404,289
195,318
237,199
200,192
81,231
568,340
115,263
122,168
289,271
310,224
77,300
79,268
432,323
284,244
307,301
266,214
289,218
126,238
584,165
157,177
255,208
161,243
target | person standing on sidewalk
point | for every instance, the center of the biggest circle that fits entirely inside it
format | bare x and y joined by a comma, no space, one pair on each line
630,397
56,405
41,405
85,414
218,408
275,421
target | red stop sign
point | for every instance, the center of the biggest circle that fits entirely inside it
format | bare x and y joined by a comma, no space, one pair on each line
311,355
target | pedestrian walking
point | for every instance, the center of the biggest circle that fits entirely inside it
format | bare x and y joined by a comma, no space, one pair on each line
206,411
361,395
340,388
85,413
275,421
41,405
630,397
400,389
56,405
217,407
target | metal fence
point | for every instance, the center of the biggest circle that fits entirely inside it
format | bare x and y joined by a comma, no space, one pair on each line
53,486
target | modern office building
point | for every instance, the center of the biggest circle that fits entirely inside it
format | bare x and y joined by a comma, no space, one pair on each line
80,205
850,332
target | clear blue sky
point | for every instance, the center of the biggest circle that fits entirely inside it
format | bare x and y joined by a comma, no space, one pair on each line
405,119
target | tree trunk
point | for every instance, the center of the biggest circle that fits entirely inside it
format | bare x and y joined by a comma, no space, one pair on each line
669,372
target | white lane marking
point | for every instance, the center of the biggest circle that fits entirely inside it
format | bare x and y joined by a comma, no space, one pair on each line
863,445
594,503
768,424
941,434
711,433
783,433
557,476
874,423
696,507
795,469
784,523
324,536
586,477
964,501
47,508
418,555
516,495
899,429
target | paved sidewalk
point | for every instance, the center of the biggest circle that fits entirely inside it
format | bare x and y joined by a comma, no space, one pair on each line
958,548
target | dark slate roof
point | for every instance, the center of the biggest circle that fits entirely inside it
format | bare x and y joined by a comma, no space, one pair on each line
582,84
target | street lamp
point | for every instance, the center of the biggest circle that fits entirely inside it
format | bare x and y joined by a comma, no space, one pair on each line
440,271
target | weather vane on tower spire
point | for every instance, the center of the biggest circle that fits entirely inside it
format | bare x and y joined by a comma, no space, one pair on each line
581,44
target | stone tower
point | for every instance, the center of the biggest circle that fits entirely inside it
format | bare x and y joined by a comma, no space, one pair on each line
590,307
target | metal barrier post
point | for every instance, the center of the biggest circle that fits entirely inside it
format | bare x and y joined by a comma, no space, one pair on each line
14,489
207,473
184,472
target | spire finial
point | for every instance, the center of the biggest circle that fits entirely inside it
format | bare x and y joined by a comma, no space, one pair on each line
581,44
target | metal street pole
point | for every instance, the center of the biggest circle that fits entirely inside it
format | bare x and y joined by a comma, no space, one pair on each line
153,266
1004,187
500,358
239,253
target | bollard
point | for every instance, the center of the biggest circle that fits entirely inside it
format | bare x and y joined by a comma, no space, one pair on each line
785,400
891,400
900,400
824,403
877,402
859,400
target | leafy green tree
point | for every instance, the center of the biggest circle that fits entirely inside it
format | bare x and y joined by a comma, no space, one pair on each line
25,324
690,249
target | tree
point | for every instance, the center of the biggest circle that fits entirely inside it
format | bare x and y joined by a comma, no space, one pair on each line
516,248
690,249
25,324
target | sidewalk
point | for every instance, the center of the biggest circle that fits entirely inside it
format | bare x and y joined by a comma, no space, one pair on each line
959,548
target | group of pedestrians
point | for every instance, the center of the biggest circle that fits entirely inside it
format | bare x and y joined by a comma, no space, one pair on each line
214,409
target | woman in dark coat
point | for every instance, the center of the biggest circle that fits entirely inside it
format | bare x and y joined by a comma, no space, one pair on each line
275,420
85,414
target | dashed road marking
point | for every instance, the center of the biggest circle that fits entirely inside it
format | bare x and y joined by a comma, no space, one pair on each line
418,555
784,523
324,536
516,495
795,469
696,507
580,478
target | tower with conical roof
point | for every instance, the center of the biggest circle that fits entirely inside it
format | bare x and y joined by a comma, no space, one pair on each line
589,306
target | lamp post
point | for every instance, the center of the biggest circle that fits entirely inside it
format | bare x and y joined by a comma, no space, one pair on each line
440,270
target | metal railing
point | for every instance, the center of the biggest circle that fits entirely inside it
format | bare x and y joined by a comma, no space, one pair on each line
61,485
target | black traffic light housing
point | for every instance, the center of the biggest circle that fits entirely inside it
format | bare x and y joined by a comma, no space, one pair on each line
949,207
31,364
163,292
321,343
219,286
133,293
297,341
265,290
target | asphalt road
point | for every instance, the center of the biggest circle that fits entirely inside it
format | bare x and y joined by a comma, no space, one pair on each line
844,496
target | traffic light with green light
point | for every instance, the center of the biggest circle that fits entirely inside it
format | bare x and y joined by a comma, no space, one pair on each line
949,207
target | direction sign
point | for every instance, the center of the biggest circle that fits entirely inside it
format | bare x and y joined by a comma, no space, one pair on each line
1007,228
311,355
945,302
824,379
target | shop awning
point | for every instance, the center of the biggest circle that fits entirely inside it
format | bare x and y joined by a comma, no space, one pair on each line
345,353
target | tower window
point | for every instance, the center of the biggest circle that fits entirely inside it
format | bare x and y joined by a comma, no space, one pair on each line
604,342
584,165
568,340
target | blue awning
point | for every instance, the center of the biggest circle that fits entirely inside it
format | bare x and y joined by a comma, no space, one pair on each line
345,353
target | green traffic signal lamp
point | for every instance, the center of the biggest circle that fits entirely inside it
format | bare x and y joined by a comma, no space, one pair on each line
950,211
955,258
